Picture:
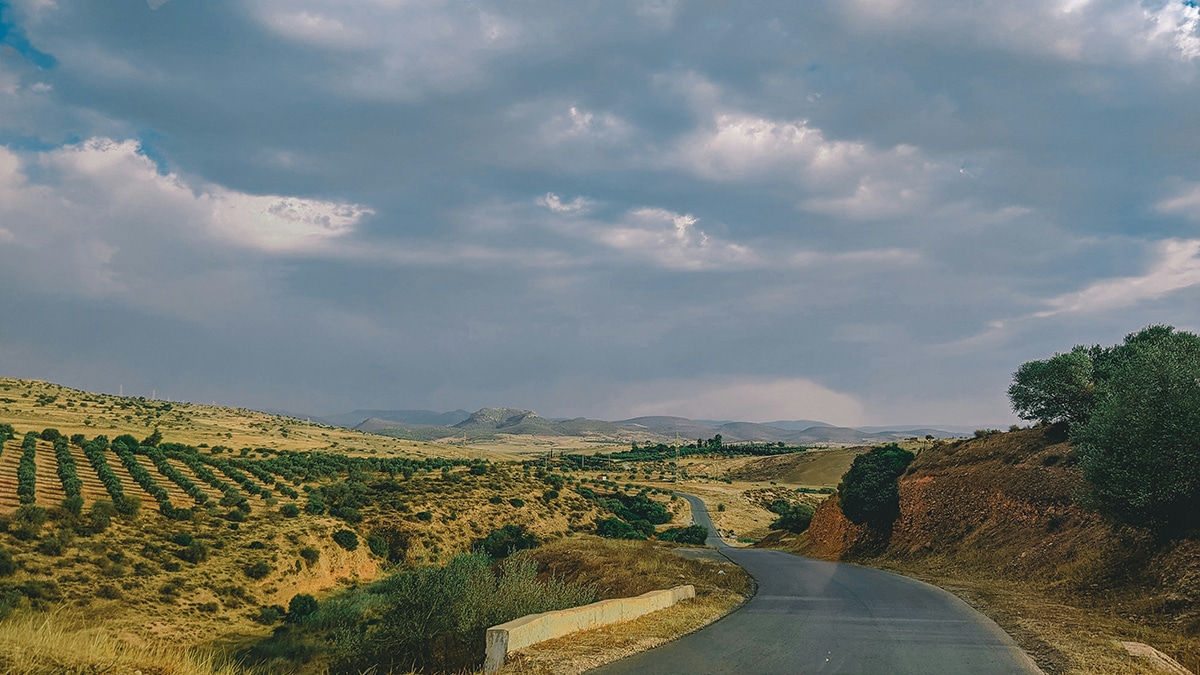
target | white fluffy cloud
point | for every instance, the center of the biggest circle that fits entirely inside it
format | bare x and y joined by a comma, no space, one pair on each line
97,219
102,184
839,177
1177,267
1075,30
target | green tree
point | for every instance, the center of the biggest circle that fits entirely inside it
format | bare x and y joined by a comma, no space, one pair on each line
301,607
1059,389
870,493
1140,449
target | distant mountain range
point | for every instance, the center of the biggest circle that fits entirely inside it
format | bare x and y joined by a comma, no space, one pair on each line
428,425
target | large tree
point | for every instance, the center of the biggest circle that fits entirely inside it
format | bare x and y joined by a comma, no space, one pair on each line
1141,445
1058,389
869,493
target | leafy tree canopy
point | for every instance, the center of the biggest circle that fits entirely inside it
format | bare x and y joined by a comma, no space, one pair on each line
869,494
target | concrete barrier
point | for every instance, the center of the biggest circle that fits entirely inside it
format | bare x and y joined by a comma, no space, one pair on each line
535,628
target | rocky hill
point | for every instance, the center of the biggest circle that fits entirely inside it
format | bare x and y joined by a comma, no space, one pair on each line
1010,507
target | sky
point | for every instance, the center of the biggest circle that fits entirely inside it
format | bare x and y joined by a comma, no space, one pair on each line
857,211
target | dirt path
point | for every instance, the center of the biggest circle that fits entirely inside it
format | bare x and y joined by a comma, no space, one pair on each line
9,459
92,488
212,492
48,489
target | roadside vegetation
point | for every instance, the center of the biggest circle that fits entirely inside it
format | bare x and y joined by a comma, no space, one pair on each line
1075,533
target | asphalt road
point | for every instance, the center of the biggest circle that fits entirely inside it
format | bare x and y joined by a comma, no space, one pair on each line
811,616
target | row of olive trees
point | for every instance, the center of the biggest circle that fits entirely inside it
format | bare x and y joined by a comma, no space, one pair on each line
1133,411
27,469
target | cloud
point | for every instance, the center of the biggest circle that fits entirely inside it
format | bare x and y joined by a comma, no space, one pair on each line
115,180
1178,267
1073,30
1185,203
670,240
839,177
557,205
752,399
120,229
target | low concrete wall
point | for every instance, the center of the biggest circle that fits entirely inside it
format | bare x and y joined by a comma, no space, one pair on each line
535,628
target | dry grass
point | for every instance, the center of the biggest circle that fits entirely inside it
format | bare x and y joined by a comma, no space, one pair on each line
1064,638
624,569
729,506
57,644
27,405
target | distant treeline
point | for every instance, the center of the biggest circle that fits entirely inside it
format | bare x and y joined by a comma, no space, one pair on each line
663,452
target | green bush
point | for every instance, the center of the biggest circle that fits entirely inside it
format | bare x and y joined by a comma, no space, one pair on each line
505,541
258,569
615,528
310,555
8,566
27,521
435,618
268,616
869,493
101,514
289,510
301,607
517,502
377,545
347,539
792,517
196,552
692,534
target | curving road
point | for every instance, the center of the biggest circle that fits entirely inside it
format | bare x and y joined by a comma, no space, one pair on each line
811,616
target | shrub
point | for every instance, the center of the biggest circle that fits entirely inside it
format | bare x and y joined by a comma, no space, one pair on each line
257,569
378,545
692,534
101,514
346,539
8,566
267,616
792,517
869,493
301,607
615,528
182,538
310,555
289,510
505,541
315,505
195,552
50,435
517,502
425,516
73,505
435,618
27,521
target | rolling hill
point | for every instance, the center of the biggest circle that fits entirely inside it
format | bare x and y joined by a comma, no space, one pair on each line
488,423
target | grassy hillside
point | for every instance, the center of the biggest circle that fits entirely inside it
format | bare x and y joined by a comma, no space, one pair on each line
141,526
34,404
199,537
999,518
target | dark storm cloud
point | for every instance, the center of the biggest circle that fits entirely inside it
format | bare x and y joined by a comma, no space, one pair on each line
866,211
